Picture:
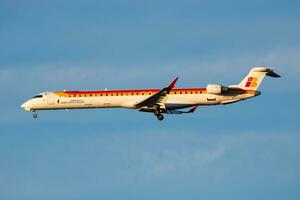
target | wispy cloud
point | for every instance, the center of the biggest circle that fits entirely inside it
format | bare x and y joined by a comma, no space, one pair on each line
169,161
132,160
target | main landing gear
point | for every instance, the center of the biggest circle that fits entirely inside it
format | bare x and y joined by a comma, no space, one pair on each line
158,115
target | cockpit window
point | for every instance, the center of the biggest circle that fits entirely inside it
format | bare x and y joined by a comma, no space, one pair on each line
38,96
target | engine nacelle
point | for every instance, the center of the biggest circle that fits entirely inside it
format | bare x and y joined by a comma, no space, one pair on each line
216,89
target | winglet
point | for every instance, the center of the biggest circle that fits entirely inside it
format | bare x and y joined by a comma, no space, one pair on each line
172,84
193,109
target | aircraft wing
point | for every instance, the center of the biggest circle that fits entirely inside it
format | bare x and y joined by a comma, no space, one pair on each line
182,112
192,109
157,97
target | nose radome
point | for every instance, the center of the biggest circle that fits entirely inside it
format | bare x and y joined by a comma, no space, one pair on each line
28,105
25,106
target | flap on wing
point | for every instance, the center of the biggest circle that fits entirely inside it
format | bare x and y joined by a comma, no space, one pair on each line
155,98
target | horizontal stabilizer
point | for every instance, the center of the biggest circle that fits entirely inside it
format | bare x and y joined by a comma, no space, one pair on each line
272,74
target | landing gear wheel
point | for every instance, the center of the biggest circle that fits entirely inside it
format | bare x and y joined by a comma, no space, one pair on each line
34,115
160,117
156,112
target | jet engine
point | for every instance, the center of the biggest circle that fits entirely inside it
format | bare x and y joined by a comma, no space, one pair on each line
216,89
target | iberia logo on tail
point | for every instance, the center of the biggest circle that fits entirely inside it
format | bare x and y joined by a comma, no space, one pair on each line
251,82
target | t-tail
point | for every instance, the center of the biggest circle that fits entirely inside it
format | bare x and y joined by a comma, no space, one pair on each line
256,75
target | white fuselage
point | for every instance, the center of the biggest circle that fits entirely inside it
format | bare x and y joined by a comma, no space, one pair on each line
178,98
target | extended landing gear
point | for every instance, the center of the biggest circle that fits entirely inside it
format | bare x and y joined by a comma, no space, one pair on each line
34,115
160,117
156,112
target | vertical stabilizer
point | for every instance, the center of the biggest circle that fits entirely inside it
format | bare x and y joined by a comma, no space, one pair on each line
256,75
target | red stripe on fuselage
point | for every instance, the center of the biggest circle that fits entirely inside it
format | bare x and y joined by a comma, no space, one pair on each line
150,91
130,91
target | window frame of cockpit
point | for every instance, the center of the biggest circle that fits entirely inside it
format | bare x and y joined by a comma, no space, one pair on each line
37,96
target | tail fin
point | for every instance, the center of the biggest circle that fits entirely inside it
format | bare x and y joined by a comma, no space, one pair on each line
256,75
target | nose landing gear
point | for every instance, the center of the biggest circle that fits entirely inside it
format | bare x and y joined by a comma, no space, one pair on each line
34,115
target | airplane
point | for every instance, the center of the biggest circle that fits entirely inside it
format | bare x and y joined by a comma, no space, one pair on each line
167,100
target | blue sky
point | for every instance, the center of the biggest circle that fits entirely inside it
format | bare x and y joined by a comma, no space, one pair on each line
248,150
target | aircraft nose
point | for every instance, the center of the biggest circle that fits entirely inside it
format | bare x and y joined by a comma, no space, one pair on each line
25,106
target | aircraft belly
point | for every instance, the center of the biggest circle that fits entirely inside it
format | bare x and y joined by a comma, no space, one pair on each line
177,106
183,101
